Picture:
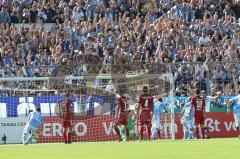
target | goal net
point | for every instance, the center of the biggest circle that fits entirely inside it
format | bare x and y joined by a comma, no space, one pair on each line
93,97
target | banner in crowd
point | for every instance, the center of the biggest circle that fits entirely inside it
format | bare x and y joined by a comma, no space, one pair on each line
100,128
97,105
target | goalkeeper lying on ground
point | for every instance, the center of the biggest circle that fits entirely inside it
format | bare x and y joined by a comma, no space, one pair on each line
131,127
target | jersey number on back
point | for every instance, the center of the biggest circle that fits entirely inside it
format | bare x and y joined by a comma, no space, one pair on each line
146,103
36,116
125,105
199,104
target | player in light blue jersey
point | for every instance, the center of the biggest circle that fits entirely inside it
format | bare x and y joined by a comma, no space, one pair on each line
34,121
213,98
187,120
158,108
235,102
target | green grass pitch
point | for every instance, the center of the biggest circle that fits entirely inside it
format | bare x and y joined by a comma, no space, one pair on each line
201,149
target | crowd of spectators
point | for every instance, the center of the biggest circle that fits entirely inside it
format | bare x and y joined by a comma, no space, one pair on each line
177,33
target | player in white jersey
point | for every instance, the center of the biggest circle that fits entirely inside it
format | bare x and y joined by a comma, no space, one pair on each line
34,121
187,120
210,99
235,102
158,108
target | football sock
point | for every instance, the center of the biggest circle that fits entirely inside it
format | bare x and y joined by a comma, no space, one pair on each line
186,133
191,135
159,134
118,132
149,132
69,137
29,139
127,133
65,137
197,133
141,132
203,133
24,138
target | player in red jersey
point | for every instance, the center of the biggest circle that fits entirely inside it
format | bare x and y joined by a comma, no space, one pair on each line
121,115
66,119
145,112
198,104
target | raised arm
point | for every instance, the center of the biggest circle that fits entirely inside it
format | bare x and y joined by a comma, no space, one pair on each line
229,103
213,98
204,108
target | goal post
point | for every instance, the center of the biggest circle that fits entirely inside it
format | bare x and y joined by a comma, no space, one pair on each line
172,104
94,112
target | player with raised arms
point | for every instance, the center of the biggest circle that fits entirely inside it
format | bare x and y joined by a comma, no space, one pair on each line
208,100
33,123
121,117
198,104
235,102
187,120
145,112
67,119
158,108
